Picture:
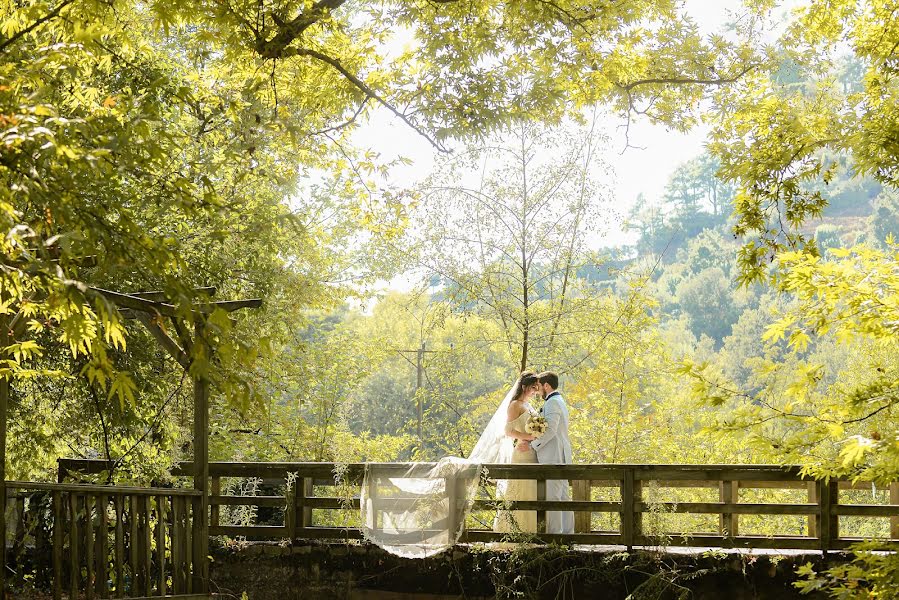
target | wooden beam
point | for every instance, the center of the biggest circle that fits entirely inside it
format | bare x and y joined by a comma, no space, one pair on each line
230,305
170,310
183,335
159,296
136,303
164,340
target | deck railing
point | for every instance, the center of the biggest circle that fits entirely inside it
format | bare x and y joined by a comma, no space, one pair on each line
317,505
95,541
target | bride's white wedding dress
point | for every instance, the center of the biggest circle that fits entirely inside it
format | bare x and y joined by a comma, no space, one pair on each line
418,510
519,521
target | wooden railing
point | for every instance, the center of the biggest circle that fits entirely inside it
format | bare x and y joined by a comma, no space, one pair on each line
317,506
94,541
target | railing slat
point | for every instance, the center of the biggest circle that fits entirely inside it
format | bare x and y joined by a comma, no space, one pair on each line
87,488
102,546
177,548
160,545
146,543
215,494
119,504
133,545
541,513
89,546
189,515
733,508
74,542
58,528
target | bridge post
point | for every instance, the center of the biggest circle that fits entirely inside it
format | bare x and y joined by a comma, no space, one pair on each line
729,493
302,489
812,499
581,492
541,497
631,519
827,521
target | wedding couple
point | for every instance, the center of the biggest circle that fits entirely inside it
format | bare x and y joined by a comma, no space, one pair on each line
552,446
419,510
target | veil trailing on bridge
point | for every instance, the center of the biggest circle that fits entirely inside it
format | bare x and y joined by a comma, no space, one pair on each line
418,511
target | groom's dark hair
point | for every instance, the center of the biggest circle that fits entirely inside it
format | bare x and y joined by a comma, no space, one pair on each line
549,378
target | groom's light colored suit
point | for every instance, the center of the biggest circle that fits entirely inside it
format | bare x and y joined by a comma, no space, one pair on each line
554,447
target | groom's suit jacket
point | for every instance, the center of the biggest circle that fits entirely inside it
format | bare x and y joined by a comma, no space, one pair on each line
554,446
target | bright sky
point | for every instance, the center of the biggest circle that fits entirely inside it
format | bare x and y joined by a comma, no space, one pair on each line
642,168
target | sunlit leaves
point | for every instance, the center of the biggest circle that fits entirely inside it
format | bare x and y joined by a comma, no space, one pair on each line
774,128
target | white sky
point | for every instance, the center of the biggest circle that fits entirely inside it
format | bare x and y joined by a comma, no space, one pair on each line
642,168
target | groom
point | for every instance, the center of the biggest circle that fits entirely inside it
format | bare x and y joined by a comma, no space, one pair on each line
554,447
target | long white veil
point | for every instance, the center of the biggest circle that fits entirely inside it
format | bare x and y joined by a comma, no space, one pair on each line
418,511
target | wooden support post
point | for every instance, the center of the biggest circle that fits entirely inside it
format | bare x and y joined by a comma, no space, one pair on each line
200,525
290,511
827,520
894,499
581,493
813,499
541,497
729,493
631,519
302,512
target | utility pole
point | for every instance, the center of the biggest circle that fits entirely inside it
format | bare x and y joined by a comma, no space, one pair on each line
419,381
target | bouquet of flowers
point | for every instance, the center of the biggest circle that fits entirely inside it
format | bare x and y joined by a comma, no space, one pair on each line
536,425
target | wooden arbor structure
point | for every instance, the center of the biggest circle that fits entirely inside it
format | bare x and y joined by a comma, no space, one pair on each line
88,506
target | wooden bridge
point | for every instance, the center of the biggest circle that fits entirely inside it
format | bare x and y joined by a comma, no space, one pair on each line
102,541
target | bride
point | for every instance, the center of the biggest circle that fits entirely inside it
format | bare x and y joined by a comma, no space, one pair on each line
420,510
517,414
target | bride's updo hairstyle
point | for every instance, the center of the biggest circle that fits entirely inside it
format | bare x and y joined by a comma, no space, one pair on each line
526,379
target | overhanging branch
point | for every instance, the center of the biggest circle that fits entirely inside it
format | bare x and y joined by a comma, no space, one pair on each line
365,89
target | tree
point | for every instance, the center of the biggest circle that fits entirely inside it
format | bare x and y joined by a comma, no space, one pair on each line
774,141
158,142
510,244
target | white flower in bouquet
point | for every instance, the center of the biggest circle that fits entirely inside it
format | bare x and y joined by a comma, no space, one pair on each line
536,425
